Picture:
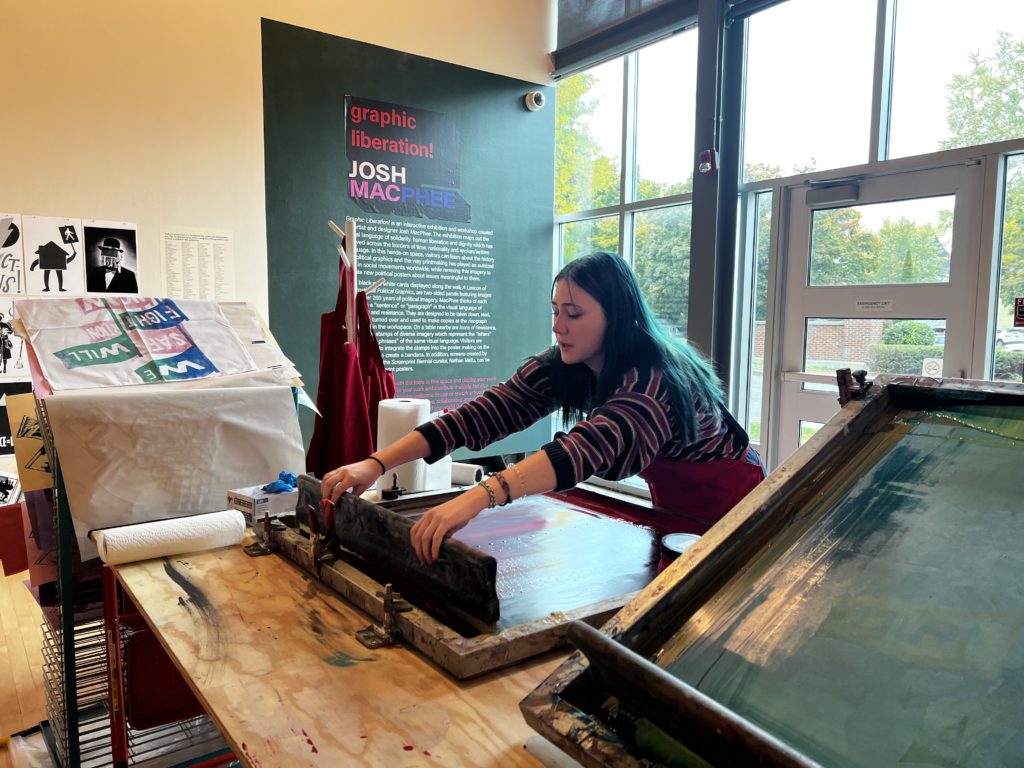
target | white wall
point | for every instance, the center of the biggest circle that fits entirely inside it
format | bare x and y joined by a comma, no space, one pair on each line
152,111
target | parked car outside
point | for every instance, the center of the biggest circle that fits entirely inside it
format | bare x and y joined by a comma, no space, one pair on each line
1011,339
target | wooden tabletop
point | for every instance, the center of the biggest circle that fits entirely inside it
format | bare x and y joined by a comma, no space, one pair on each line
272,656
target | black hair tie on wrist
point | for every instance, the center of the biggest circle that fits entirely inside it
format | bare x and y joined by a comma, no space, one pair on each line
380,463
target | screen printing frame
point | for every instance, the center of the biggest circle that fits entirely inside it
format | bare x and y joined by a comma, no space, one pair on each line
567,708
459,655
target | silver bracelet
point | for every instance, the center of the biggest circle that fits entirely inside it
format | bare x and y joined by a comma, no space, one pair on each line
519,475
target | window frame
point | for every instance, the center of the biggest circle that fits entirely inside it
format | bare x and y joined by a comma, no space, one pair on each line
626,210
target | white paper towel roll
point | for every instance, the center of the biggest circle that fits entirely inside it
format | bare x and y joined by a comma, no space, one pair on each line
395,419
466,474
162,538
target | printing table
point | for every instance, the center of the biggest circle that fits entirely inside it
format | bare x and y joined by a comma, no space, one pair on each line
272,656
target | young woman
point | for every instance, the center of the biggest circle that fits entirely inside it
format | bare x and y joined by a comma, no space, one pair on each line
642,403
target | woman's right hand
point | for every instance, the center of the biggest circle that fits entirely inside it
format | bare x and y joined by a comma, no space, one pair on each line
355,478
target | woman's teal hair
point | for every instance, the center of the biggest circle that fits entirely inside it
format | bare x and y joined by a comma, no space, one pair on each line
633,338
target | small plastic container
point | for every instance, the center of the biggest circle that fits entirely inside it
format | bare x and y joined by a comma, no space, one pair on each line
673,545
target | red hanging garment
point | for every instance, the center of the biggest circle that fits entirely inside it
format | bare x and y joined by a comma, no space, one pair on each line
342,433
378,381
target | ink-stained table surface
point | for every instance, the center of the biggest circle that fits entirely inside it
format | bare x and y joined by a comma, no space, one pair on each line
272,656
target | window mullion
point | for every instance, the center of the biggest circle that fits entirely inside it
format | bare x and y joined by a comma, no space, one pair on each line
628,168
881,89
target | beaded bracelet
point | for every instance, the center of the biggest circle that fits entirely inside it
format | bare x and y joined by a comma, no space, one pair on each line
519,475
492,502
504,486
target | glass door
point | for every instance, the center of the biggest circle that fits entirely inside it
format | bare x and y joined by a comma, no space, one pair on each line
879,273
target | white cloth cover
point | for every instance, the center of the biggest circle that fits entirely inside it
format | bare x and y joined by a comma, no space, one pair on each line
138,454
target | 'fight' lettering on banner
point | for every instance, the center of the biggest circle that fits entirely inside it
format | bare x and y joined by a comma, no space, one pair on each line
163,315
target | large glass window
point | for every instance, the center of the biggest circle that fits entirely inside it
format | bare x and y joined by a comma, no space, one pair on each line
1008,339
905,242
662,263
808,87
956,74
823,96
582,237
759,311
588,124
649,94
911,346
666,93
624,169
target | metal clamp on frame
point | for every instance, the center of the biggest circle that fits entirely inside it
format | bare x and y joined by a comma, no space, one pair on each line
853,385
264,544
321,535
387,634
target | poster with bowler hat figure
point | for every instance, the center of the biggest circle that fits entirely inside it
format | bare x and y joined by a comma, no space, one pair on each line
54,264
111,257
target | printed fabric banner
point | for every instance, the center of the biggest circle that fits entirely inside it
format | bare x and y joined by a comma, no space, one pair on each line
105,342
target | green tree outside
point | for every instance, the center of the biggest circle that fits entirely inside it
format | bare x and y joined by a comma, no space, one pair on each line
986,105
911,253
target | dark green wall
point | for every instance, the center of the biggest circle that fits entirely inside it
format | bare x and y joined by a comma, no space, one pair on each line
507,175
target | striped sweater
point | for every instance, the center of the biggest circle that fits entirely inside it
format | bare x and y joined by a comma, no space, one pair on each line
620,438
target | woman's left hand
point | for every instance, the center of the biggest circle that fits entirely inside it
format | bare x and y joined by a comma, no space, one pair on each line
442,521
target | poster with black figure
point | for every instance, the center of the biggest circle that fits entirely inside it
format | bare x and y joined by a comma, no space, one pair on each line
12,278
53,256
13,362
112,261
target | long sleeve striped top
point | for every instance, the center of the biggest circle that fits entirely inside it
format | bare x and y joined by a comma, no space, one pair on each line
620,437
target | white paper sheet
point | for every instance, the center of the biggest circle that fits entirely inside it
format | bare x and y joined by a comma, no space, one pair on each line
258,341
138,454
198,263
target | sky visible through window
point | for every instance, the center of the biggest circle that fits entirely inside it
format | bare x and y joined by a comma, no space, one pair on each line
809,81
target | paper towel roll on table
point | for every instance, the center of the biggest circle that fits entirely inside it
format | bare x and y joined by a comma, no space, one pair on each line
466,474
164,538
397,417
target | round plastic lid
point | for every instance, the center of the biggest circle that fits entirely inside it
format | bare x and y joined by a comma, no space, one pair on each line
677,543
